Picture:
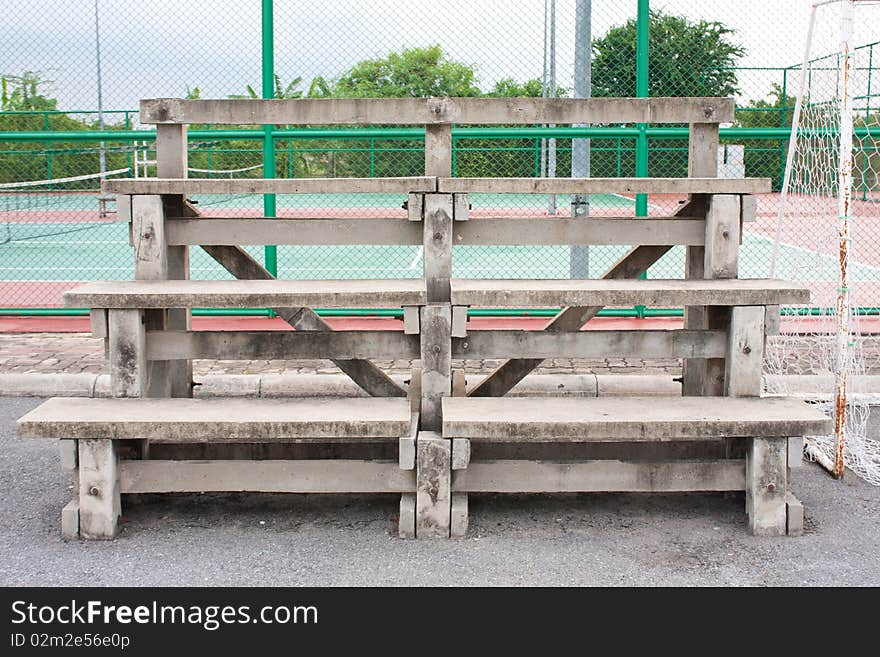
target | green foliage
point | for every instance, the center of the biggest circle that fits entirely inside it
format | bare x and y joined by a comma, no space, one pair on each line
21,93
687,58
417,72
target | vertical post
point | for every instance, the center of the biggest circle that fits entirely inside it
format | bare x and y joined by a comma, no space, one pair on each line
643,32
579,258
767,486
551,92
171,162
702,163
268,65
745,352
844,200
433,485
99,498
102,153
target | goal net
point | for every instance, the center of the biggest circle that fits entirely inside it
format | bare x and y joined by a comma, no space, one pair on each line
829,204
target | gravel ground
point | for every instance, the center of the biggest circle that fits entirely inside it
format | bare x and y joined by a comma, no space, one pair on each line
322,540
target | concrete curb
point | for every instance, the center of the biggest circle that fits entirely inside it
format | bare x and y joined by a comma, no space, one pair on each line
339,385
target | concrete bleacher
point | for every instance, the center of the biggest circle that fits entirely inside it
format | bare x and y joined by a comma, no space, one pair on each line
432,440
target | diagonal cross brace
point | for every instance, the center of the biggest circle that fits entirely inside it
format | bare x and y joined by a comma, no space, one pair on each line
632,265
240,264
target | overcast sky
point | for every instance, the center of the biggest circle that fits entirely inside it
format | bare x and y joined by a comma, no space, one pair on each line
156,48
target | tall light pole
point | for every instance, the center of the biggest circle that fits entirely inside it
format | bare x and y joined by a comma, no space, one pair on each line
579,260
551,92
103,155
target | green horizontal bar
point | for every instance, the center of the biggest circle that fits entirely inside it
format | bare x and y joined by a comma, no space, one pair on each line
412,133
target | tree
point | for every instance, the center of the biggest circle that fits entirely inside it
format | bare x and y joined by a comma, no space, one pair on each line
687,58
22,93
417,72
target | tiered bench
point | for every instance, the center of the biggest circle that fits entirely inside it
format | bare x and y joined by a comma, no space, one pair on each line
433,441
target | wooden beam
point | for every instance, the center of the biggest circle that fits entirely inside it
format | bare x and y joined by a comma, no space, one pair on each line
433,485
99,501
172,158
128,363
745,352
232,231
287,476
591,344
278,345
357,293
603,476
438,150
512,371
215,421
702,162
767,486
437,246
536,293
420,111
635,263
599,230
241,264
695,185
436,356
621,419
190,186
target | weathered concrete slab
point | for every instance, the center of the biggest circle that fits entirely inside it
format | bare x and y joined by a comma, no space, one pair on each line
415,111
365,293
631,418
218,420
234,231
600,185
179,186
653,292
282,476
600,476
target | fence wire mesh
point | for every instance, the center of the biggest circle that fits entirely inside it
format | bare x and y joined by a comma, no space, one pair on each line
57,64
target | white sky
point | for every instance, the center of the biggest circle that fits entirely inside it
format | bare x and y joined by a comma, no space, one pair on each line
156,48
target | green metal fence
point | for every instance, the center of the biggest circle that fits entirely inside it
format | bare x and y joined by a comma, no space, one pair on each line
54,233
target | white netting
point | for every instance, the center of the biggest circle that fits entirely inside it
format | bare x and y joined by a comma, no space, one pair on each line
831,200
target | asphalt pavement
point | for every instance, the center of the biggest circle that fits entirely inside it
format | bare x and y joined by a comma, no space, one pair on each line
326,540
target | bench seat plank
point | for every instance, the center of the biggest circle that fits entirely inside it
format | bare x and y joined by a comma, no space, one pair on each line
611,419
190,186
218,420
364,293
605,185
629,292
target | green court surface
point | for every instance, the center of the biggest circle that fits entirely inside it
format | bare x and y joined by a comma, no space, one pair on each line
56,249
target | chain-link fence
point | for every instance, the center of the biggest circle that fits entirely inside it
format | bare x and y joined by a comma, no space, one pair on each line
60,65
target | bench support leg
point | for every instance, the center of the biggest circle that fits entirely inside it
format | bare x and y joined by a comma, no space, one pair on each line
99,498
433,485
767,486
406,526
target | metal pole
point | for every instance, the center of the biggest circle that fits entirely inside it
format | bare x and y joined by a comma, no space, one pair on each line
579,259
544,92
102,154
268,65
642,41
844,200
551,144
